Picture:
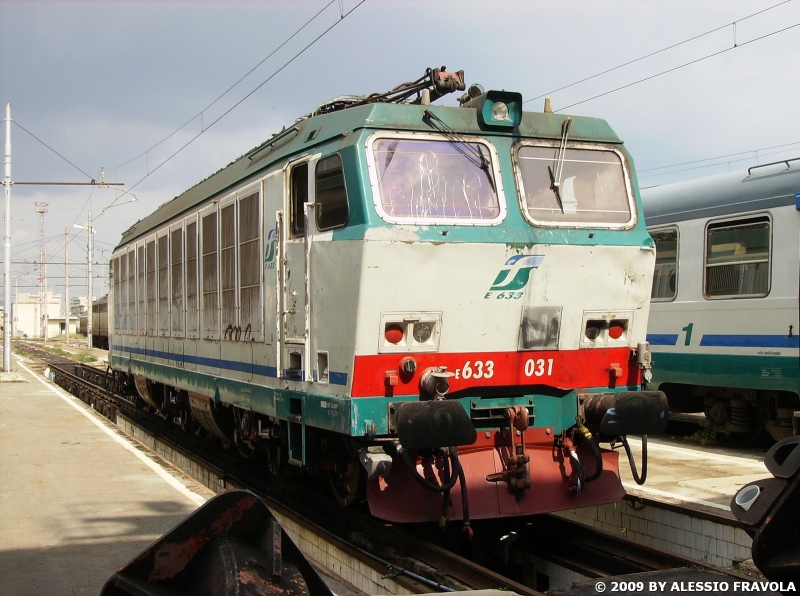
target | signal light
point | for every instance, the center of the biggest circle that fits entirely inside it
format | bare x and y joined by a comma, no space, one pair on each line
616,329
393,333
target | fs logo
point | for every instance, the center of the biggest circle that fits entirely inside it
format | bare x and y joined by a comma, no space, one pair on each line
269,255
513,278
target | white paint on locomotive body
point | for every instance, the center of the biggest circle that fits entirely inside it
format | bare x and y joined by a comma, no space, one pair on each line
455,279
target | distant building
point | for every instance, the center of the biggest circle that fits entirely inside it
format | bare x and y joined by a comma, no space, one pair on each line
28,313
78,305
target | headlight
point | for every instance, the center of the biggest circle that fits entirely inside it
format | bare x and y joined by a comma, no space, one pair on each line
422,332
500,111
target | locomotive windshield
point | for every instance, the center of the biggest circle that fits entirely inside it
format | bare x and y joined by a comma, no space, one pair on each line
587,187
432,180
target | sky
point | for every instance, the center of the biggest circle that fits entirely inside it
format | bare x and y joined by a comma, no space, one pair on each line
110,85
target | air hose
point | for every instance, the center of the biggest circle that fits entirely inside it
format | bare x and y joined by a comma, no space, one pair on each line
634,472
598,458
450,483
449,476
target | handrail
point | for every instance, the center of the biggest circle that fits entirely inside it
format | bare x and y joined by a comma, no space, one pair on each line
774,163
269,144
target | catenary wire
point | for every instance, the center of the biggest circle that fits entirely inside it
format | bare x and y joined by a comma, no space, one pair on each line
234,106
53,150
721,163
201,112
678,67
686,163
675,45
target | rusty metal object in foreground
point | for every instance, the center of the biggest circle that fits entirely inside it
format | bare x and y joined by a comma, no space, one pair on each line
231,546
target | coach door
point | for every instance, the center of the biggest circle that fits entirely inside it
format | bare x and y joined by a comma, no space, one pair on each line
296,222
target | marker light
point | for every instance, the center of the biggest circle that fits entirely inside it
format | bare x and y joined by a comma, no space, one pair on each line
393,333
593,329
616,329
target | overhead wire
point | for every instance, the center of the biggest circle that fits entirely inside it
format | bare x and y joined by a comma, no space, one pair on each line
686,163
675,45
721,163
735,46
53,150
234,106
224,93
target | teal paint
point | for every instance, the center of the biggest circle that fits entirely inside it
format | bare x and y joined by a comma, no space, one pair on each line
514,231
721,370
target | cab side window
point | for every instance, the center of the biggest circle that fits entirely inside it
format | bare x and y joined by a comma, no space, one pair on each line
299,196
331,195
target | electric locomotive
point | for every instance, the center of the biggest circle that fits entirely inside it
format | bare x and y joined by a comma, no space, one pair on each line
724,318
412,299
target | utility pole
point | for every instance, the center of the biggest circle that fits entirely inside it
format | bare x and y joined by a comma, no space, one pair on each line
7,248
41,209
90,258
66,283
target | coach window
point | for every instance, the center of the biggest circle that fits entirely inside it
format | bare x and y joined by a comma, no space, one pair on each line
152,319
586,186
665,277
737,259
331,196
298,196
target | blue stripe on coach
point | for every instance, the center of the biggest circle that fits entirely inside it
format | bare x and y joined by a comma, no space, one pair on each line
751,341
662,339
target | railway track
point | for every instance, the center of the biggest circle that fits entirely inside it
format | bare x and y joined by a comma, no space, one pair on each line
406,555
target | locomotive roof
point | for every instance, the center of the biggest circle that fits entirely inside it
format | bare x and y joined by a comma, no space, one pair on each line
337,127
762,187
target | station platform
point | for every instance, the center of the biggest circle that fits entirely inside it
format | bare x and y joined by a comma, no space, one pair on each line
78,499
682,472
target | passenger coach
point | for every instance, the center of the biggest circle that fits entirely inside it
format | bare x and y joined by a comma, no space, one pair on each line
724,318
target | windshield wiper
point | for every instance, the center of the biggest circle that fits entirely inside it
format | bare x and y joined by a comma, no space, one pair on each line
460,144
555,178
554,188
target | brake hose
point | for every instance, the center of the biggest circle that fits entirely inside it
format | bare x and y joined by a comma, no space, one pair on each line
428,485
634,472
598,458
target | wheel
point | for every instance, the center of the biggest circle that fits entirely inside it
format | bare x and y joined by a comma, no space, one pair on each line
344,484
